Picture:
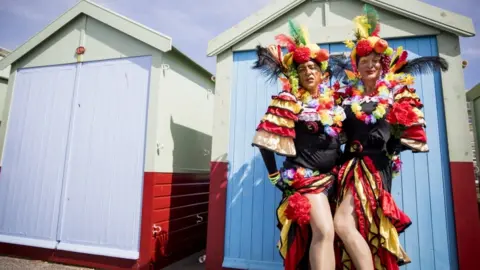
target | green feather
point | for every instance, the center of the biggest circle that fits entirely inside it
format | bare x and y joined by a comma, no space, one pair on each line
372,17
296,33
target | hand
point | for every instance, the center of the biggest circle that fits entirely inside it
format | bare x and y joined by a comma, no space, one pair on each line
282,185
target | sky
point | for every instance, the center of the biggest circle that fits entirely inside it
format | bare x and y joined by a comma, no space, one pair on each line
191,23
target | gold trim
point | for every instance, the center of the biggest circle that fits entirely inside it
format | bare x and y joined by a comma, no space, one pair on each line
415,145
276,143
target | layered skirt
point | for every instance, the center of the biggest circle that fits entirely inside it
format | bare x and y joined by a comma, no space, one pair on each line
379,219
293,214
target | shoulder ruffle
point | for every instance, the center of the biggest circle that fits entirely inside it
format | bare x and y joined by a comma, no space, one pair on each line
414,137
276,130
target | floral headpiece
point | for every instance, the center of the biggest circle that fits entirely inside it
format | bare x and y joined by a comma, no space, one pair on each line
367,37
367,29
273,63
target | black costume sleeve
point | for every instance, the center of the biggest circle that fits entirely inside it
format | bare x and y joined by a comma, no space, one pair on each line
269,160
395,146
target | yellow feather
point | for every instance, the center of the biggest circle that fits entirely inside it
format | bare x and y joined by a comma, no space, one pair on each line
350,74
313,49
361,23
305,34
399,50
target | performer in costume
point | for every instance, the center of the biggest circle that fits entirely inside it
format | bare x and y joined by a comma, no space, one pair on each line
383,119
301,123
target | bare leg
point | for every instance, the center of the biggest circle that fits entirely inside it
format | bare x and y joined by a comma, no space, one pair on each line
321,252
346,228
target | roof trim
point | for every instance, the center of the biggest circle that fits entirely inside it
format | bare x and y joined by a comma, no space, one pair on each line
250,25
416,10
110,18
473,93
176,50
4,52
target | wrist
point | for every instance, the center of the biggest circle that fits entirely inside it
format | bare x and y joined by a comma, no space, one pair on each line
274,178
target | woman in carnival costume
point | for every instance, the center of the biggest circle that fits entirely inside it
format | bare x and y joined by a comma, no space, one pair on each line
302,123
383,118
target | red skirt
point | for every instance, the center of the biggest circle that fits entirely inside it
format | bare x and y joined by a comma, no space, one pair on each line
379,218
293,216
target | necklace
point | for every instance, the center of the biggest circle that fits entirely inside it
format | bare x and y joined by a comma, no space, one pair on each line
381,95
321,107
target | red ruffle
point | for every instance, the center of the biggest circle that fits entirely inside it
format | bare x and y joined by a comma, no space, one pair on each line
272,128
390,209
282,113
416,133
297,248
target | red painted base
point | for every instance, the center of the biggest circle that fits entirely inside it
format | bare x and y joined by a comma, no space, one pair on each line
183,232
467,219
216,212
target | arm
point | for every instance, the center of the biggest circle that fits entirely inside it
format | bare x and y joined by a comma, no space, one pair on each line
273,173
276,132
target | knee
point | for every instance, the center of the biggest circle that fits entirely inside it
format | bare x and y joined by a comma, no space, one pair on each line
325,232
343,226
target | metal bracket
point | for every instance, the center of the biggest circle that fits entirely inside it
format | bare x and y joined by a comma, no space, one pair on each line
156,229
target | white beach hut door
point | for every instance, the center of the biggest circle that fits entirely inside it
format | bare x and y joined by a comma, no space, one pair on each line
34,153
102,197
73,161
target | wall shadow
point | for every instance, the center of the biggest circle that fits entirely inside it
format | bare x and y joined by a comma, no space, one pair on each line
181,198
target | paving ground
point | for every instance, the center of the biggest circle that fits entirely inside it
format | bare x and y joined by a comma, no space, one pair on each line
189,263
9,263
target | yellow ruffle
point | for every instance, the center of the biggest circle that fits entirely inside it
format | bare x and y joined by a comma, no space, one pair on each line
406,94
279,144
286,223
279,121
294,107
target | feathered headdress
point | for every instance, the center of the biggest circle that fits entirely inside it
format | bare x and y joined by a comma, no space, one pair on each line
273,63
367,40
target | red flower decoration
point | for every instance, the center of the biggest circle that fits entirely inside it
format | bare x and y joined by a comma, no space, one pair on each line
301,55
336,86
322,55
402,114
298,209
364,48
286,84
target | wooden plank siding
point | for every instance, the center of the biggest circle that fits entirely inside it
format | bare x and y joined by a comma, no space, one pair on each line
180,210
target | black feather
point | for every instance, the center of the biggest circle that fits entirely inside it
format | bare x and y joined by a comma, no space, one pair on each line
338,64
267,64
424,65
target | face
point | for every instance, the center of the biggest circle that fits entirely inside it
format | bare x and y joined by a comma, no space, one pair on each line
370,67
309,75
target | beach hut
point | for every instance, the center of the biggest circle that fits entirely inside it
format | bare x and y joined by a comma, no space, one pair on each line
435,189
3,81
105,161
